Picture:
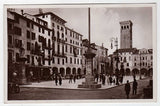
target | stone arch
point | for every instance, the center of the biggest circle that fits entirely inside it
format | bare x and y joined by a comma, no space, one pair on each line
68,70
143,71
135,71
128,71
79,71
73,70
55,70
62,71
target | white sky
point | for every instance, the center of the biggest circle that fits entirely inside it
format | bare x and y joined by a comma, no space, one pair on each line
105,23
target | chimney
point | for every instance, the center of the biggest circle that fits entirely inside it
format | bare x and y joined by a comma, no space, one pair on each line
22,12
40,11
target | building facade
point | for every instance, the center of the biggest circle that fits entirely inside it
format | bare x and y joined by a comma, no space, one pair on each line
49,47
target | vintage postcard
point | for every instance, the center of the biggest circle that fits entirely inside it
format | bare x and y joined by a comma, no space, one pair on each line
80,53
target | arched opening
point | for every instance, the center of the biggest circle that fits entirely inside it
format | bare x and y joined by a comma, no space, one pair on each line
135,71
144,71
62,72
68,70
79,71
150,72
128,71
74,71
55,70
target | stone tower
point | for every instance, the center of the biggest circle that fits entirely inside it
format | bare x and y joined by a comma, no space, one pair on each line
126,34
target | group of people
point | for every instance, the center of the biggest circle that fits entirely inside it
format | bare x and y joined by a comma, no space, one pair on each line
110,79
58,79
72,77
128,88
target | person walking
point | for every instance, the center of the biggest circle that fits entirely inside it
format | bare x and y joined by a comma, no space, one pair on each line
74,78
56,79
60,80
70,78
110,80
135,84
127,89
103,79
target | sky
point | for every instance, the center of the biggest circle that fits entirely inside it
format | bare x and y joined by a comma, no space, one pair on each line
105,23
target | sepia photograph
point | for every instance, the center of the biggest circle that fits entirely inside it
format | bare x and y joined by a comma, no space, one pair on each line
80,52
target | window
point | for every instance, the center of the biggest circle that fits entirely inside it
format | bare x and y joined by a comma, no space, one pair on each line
58,49
28,46
66,39
70,34
10,39
57,34
63,49
62,28
127,64
17,31
135,64
42,30
57,26
49,43
74,60
63,61
62,35
53,48
53,32
10,26
81,61
66,31
58,61
49,33
66,48
43,16
127,27
70,49
71,60
33,36
32,60
17,56
18,43
53,25
77,61
28,24
49,62
151,57
28,58
39,29
28,34
66,59
53,61
134,58
70,41
32,25
121,27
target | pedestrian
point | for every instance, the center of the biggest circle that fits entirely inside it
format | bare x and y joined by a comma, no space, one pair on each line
103,79
56,79
135,84
70,78
74,78
97,76
60,80
110,80
114,79
127,89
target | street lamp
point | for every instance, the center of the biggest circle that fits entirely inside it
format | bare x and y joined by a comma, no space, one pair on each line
117,58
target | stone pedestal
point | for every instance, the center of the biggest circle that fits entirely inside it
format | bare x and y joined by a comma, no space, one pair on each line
89,78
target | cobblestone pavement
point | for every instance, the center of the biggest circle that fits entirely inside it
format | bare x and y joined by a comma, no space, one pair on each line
34,93
67,85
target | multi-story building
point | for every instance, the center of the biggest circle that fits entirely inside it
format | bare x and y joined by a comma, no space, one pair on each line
132,59
73,51
49,46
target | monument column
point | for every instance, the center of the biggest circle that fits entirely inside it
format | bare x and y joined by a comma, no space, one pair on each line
89,78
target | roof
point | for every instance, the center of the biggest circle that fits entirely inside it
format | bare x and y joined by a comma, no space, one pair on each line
133,50
74,31
52,14
126,22
30,20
